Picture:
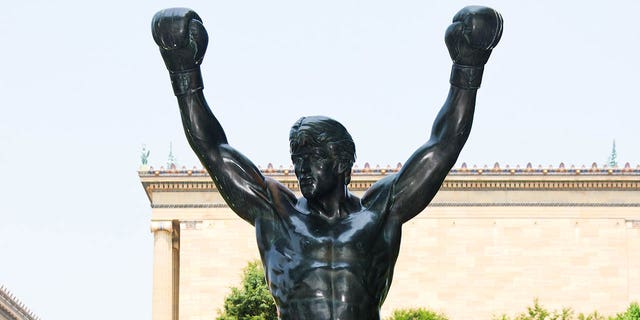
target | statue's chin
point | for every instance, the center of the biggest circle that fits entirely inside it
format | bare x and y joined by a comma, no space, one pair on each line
308,194
310,191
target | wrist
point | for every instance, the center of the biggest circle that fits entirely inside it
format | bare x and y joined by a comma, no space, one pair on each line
186,81
466,77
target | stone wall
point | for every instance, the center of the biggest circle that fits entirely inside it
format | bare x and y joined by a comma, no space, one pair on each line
487,245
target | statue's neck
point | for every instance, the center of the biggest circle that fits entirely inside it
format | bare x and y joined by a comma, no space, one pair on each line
338,203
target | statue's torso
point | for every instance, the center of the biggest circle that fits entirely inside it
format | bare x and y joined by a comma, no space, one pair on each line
320,268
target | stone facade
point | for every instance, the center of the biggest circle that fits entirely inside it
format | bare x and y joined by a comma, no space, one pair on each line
492,240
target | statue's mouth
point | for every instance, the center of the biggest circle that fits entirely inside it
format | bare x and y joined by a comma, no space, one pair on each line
306,181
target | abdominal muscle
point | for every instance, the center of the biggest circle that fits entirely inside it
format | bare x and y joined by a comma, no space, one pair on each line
324,293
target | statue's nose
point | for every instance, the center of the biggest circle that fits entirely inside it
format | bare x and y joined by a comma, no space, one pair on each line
305,165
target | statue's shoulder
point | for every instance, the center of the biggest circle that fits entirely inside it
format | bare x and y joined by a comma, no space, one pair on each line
378,195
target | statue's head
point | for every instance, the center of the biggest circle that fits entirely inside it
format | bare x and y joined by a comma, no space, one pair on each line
322,145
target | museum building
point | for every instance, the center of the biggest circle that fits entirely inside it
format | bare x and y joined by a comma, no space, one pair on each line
491,241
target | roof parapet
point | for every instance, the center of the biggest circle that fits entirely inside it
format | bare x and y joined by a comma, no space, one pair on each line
464,169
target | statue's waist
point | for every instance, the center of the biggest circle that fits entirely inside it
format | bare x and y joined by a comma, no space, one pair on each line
345,293
334,282
345,284
322,308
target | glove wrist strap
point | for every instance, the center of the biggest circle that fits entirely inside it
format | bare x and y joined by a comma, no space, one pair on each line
466,77
187,81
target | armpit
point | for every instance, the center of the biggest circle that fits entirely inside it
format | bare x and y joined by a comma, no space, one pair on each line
279,195
378,197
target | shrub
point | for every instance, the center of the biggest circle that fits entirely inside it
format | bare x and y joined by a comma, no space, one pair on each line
592,316
632,313
538,312
252,301
416,314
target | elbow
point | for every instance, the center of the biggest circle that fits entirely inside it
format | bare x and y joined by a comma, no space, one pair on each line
449,142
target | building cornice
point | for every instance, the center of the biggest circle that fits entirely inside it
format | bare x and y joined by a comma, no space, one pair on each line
180,181
611,184
459,179
14,307
464,169
434,204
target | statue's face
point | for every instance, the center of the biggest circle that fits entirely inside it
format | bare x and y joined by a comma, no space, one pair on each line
317,171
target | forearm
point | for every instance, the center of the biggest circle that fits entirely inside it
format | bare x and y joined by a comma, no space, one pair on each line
474,32
453,123
201,127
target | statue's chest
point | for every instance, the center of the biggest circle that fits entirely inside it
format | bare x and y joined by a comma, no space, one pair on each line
310,256
335,241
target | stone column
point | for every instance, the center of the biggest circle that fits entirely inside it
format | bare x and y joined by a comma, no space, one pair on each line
162,303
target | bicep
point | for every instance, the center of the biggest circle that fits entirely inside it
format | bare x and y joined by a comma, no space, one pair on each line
420,178
239,181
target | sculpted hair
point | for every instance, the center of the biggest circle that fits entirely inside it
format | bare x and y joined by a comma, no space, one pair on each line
323,131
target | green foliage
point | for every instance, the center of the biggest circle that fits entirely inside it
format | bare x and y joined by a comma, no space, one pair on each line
538,312
632,313
252,301
416,314
592,316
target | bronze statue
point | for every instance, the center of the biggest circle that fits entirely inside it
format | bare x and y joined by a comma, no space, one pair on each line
329,254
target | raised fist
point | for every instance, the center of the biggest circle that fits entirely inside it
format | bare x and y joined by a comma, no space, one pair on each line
181,37
475,31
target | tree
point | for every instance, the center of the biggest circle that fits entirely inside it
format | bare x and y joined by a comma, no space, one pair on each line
632,313
416,314
252,301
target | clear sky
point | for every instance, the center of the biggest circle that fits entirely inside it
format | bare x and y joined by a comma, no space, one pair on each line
83,87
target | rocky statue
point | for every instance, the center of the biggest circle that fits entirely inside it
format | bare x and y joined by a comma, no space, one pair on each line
328,254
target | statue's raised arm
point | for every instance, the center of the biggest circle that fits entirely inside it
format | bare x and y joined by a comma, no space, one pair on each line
182,39
475,31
